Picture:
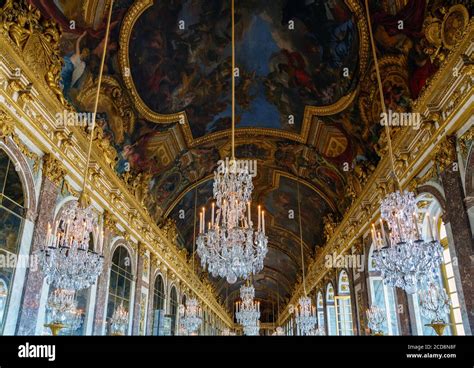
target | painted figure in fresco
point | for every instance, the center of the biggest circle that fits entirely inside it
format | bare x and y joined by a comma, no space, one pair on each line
408,40
74,66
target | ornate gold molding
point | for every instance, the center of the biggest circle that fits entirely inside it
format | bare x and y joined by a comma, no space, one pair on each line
7,127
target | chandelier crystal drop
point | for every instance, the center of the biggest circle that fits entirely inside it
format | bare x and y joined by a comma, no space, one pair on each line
305,315
66,260
190,315
404,259
248,311
435,303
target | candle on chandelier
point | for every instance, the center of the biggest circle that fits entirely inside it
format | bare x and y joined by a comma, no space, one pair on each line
435,232
248,209
200,222
372,232
203,218
258,216
48,236
399,228
430,230
383,230
212,214
67,228
415,222
263,221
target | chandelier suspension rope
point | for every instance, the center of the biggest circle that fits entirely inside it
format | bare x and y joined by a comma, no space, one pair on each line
96,104
404,259
233,81
191,311
305,312
301,237
382,99
194,224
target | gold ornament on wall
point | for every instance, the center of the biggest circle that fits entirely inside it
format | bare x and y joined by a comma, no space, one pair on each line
53,170
37,40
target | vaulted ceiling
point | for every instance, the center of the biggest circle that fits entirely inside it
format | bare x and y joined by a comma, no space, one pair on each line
307,106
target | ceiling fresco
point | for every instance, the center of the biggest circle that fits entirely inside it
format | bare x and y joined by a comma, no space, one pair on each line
283,66
165,114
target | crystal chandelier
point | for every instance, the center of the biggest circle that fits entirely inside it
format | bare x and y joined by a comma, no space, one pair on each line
404,259
375,318
248,311
190,315
435,303
60,304
305,312
305,315
229,247
62,312
67,261
119,321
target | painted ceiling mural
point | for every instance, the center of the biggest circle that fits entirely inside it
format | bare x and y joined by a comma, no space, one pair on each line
333,145
283,66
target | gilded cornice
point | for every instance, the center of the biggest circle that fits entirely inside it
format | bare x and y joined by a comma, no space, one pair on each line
445,108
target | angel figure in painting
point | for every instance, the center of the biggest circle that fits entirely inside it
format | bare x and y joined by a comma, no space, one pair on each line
74,66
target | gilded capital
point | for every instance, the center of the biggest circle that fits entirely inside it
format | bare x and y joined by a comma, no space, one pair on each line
445,153
142,248
110,221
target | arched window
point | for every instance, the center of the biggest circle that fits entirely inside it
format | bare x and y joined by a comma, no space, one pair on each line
12,214
320,309
343,305
173,309
330,310
120,283
383,297
158,306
